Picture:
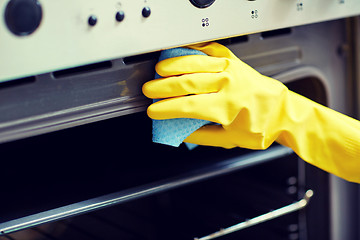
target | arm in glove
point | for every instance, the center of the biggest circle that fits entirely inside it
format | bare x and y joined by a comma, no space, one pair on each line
253,110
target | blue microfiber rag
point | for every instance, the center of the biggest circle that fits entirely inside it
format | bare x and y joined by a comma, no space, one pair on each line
174,131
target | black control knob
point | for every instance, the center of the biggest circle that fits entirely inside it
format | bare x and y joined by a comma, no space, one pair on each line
92,20
202,3
146,12
120,15
23,17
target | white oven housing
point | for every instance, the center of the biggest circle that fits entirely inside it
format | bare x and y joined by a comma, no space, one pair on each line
65,37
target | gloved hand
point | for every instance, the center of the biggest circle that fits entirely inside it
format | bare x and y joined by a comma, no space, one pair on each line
253,110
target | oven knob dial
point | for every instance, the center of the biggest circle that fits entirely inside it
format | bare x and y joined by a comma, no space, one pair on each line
92,20
202,3
23,17
146,12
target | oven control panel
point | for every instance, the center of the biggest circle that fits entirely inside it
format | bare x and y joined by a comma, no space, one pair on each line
38,36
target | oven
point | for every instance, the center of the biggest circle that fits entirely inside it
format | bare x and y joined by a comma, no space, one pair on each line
76,150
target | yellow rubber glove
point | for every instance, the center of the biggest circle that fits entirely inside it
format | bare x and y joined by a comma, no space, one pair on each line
253,110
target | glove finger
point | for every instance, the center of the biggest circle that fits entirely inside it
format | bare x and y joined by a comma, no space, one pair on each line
197,83
190,64
218,136
211,135
214,49
203,106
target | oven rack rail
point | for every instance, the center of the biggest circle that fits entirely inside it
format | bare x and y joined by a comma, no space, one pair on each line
226,166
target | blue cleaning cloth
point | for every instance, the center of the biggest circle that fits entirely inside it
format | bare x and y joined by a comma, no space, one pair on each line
174,131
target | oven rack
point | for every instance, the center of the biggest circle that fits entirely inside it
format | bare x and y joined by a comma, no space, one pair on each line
225,166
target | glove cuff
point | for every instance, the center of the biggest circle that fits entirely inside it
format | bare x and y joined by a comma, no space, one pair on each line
322,137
